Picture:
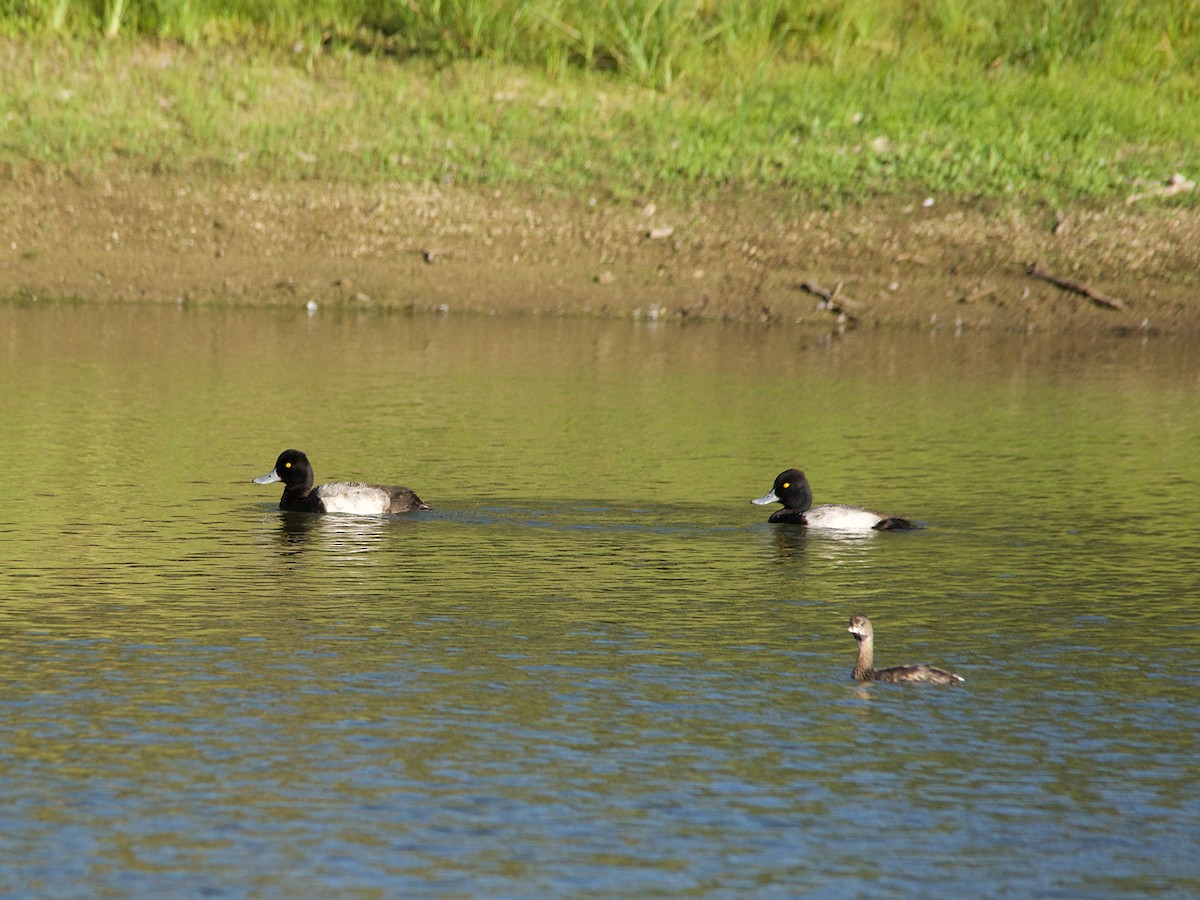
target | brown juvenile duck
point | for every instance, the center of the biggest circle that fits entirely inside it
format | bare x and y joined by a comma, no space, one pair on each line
864,670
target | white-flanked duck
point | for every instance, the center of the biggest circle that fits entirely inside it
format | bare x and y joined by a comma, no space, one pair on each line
791,488
354,497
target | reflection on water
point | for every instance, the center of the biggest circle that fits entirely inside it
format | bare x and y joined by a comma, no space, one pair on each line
345,537
592,666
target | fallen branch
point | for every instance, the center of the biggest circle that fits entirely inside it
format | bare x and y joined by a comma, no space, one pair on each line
832,300
1075,287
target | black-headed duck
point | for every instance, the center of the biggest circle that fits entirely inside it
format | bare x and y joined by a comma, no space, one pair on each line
356,498
791,488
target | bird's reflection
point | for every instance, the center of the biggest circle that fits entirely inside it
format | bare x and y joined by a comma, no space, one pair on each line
794,544
791,543
341,535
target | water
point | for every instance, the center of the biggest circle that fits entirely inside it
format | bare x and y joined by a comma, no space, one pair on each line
593,669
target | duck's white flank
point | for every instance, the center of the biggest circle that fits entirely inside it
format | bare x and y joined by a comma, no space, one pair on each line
354,498
844,518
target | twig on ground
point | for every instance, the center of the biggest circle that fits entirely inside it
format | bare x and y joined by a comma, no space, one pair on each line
833,301
1036,271
977,293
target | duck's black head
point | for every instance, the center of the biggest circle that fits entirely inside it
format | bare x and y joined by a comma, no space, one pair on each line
791,489
292,468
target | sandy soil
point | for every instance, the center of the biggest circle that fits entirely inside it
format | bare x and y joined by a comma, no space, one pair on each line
169,240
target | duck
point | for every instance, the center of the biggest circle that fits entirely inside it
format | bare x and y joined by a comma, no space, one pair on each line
864,670
296,472
792,489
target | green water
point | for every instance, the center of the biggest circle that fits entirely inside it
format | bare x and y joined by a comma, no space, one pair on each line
593,668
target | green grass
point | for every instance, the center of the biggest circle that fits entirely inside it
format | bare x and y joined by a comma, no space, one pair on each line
1035,100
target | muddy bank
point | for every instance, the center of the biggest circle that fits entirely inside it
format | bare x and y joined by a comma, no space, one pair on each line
169,240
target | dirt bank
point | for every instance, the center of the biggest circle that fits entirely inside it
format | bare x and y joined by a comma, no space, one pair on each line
221,242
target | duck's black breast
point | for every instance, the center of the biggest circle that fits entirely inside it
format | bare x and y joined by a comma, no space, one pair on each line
788,517
301,501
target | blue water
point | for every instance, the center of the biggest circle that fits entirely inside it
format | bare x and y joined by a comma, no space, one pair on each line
593,668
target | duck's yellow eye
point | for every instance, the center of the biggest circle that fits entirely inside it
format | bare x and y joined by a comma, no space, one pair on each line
787,484
287,465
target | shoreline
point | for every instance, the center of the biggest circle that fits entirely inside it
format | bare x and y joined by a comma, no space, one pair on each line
738,258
